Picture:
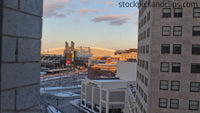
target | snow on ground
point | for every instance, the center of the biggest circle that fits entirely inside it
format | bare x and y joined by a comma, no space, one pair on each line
79,80
51,109
43,89
76,103
66,94
54,78
90,110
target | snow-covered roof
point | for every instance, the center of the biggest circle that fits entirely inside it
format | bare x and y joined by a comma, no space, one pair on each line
110,80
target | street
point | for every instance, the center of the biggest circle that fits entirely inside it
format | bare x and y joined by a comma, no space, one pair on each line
59,91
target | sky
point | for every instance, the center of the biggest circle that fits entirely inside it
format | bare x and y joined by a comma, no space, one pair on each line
96,23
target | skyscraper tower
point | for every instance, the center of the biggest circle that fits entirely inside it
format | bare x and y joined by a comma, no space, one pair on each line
66,45
72,45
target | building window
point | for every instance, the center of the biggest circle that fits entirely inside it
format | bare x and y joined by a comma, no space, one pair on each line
163,103
195,68
137,74
145,97
175,85
147,65
174,103
177,31
176,67
165,48
194,86
164,67
196,31
147,48
143,63
148,32
143,49
166,12
196,12
146,81
145,34
148,16
196,49
177,49
164,84
142,78
142,23
194,105
166,31
145,20
178,12
142,92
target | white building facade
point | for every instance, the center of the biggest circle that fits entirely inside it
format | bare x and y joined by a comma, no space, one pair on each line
104,96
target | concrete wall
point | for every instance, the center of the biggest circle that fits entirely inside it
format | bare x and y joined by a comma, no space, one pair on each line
154,57
20,55
127,70
107,94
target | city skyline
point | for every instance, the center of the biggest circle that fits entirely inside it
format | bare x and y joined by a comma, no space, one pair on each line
97,23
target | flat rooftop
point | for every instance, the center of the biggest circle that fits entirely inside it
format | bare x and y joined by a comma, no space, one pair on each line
109,80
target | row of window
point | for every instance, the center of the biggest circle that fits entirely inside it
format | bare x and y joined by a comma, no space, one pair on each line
143,64
165,49
174,104
140,105
177,31
145,20
142,78
144,35
176,67
140,90
178,12
175,86
142,93
143,9
143,49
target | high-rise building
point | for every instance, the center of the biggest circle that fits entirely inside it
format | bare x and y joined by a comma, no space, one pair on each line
72,45
66,45
168,73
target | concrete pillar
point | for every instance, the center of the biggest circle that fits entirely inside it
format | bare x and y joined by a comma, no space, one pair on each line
86,94
92,98
100,105
107,101
21,29
81,93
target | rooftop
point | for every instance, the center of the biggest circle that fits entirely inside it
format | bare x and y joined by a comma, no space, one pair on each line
109,80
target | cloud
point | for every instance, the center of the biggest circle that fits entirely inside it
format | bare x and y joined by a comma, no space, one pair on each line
87,10
99,1
53,10
59,1
111,3
94,10
114,19
104,9
83,11
84,1
135,13
108,18
120,21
